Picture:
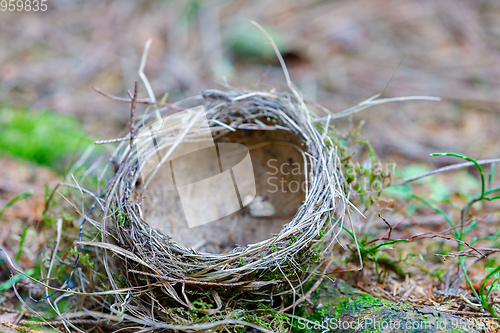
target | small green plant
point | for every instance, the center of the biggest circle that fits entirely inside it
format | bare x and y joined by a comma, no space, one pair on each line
15,199
22,237
495,284
292,240
374,250
122,218
21,243
458,230
84,258
15,279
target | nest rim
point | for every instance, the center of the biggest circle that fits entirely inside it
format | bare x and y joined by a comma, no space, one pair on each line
314,223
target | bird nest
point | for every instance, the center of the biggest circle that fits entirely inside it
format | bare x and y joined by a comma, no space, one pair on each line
218,206
142,217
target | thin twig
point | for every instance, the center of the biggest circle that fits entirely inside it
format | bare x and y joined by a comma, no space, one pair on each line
419,236
314,287
141,73
201,283
447,168
60,322
17,327
389,231
54,253
146,101
456,240
132,116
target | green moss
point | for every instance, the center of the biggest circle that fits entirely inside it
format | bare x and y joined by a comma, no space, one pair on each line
268,319
367,181
338,303
315,254
46,138
122,219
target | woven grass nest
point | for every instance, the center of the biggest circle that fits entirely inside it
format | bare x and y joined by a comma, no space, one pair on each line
280,120
243,269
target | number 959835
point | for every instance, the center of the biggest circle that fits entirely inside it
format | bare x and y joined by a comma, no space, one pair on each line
26,5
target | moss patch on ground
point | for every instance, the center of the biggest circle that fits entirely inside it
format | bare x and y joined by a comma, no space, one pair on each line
47,138
340,308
